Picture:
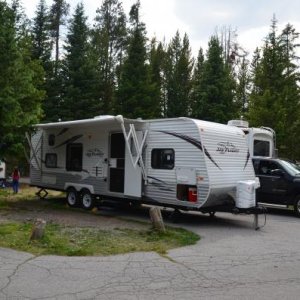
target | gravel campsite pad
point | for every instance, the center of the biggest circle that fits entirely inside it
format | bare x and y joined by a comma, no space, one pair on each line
55,210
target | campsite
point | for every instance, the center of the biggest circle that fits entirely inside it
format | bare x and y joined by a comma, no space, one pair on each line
149,149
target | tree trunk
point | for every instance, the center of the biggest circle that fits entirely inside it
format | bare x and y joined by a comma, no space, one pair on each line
157,220
38,229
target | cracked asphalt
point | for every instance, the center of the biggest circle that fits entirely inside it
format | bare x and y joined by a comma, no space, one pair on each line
231,261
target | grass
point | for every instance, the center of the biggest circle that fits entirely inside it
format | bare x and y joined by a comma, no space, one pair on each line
80,241
69,241
27,197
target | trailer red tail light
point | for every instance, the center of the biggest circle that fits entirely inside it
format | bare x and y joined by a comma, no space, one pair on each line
192,195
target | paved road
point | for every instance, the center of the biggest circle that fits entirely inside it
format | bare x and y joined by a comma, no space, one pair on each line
232,261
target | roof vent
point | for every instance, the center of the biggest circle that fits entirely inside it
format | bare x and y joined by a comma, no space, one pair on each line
238,123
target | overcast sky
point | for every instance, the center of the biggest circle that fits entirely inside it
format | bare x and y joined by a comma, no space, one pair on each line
200,18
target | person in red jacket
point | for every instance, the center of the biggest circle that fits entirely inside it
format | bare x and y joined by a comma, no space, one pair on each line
15,180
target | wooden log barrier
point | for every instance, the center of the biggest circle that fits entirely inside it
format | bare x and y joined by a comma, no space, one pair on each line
38,229
156,219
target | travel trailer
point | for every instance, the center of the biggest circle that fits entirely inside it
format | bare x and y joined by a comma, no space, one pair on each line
261,140
181,162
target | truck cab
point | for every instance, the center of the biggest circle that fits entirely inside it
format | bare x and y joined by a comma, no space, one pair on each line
279,182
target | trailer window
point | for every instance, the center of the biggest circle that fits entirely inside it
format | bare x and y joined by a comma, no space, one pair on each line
261,148
162,159
51,160
51,139
74,157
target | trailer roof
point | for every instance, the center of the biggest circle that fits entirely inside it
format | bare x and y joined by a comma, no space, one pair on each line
107,119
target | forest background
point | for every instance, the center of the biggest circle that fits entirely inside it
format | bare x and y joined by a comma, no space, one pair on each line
56,67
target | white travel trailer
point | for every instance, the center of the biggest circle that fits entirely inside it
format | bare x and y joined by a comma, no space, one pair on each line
182,163
261,140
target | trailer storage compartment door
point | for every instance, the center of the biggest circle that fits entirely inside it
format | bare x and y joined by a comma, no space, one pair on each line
133,174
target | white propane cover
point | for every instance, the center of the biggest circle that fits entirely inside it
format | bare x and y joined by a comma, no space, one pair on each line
245,194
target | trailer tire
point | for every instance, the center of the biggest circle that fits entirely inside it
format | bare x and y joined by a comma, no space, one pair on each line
297,206
87,199
72,197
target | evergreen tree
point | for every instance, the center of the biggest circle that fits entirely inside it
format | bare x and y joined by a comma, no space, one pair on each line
136,93
242,88
156,60
42,45
58,12
288,41
274,100
109,41
20,99
79,99
215,102
179,64
54,85
197,85
267,82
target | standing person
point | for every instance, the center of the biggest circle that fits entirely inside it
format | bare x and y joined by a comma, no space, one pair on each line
15,177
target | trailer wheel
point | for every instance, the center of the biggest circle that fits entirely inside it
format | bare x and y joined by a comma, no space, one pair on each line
87,200
297,206
72,197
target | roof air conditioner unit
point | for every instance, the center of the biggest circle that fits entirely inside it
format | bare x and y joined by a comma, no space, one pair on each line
238,123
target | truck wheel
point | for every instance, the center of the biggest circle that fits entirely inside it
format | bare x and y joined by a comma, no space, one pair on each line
72,197
87,200
297,206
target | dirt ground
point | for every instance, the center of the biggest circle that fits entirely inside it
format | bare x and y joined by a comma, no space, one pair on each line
54,209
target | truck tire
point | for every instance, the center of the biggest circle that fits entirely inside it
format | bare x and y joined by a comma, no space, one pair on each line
87,199
297,206
72,197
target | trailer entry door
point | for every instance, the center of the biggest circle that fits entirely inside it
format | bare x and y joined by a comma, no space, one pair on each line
133,174
117,163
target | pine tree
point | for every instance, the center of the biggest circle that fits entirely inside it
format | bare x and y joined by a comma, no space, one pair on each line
265,108
109,41
215,102
197,85
79,99
274,100
156,60
136,93
20,99
178,72
42,45
59,10
290,96
54,85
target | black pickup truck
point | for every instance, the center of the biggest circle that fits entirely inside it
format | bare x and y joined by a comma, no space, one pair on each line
279,182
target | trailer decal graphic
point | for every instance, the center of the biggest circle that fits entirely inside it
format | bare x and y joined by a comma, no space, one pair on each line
194,142
247,159
227,147
62,131
94,152
160,184
70,140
